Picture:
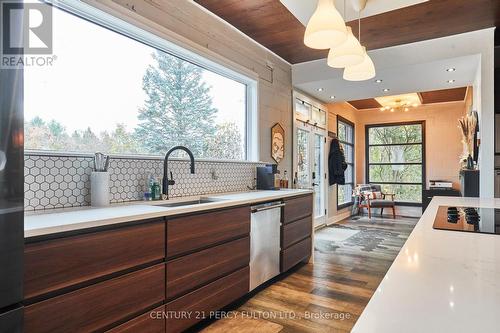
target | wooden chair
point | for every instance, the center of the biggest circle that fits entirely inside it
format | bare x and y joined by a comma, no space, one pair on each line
369,199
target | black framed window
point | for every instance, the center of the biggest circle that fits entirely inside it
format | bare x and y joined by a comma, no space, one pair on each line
345,134
395,159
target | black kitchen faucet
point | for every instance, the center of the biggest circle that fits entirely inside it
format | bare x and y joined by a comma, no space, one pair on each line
171,181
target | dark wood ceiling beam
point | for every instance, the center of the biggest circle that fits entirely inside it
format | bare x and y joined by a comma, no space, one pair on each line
428,20
271,24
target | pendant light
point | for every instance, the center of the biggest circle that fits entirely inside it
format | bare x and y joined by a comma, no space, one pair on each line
326,27
348,53
361,72
364,70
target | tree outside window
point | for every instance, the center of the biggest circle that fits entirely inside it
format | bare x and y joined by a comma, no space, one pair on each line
395,159
130,99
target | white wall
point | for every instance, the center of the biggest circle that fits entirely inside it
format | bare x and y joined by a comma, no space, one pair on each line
486,109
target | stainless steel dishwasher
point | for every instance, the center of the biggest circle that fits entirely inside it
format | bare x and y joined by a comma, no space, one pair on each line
265,228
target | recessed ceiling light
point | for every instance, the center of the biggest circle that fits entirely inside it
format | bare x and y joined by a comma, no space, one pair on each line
332,97
378,81
320,89
386,89
451,69
450,81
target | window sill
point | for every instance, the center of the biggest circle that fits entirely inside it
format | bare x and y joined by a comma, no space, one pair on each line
30,152
346,205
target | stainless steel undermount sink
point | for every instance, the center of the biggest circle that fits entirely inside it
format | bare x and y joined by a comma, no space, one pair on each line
190,202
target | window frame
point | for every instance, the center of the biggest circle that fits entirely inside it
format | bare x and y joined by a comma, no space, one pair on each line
348,123
422,163
129,27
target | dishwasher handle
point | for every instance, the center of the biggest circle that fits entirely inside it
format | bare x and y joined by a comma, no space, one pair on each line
261,209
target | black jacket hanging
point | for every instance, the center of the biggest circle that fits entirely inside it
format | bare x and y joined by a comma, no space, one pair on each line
336,164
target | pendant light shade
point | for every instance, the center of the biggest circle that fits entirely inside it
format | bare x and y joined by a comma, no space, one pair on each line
361,72
349,53
326,28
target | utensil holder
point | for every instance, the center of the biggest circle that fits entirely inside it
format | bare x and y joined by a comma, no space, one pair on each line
99,189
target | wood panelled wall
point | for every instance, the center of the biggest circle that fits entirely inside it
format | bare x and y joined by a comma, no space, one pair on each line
189,23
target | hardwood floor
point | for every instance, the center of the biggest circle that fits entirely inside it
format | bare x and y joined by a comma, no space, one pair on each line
329,295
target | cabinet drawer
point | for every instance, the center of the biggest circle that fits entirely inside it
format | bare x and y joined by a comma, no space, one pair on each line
188,272
296,231
149,322
198,304
297,208
98,306
296,253
60,263
187,234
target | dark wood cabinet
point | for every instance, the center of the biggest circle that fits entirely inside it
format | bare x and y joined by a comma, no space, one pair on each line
64,262
113,280
207,264
60,263
99,306
299,252
297,208
198,304
191,271
150,322
296,231
192,233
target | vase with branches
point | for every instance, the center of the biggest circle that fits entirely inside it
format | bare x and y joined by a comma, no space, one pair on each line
467,126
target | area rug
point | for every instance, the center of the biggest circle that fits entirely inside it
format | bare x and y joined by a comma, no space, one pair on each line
364,237
335,234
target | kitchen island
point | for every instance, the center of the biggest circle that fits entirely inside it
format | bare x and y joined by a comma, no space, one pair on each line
441,281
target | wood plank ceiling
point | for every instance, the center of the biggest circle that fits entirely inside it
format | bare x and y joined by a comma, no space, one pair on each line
369,103
271,24
427,97
445,95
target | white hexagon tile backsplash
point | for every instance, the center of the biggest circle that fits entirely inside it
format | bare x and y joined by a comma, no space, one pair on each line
64,181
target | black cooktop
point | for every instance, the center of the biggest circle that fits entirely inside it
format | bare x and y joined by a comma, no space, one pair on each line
468,219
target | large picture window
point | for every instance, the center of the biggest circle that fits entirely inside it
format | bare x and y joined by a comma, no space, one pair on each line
396,159
122,91
345,134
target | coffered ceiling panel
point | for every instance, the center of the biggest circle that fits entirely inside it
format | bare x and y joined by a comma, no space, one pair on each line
445,95
271,24
425,97
361,104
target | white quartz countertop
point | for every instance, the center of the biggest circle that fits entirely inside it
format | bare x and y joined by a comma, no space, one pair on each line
64,220
441,281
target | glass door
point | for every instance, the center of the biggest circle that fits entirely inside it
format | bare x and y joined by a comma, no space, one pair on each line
318,176
309,166
303,175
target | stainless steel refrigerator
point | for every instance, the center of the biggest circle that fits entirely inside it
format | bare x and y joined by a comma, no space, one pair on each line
11,199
